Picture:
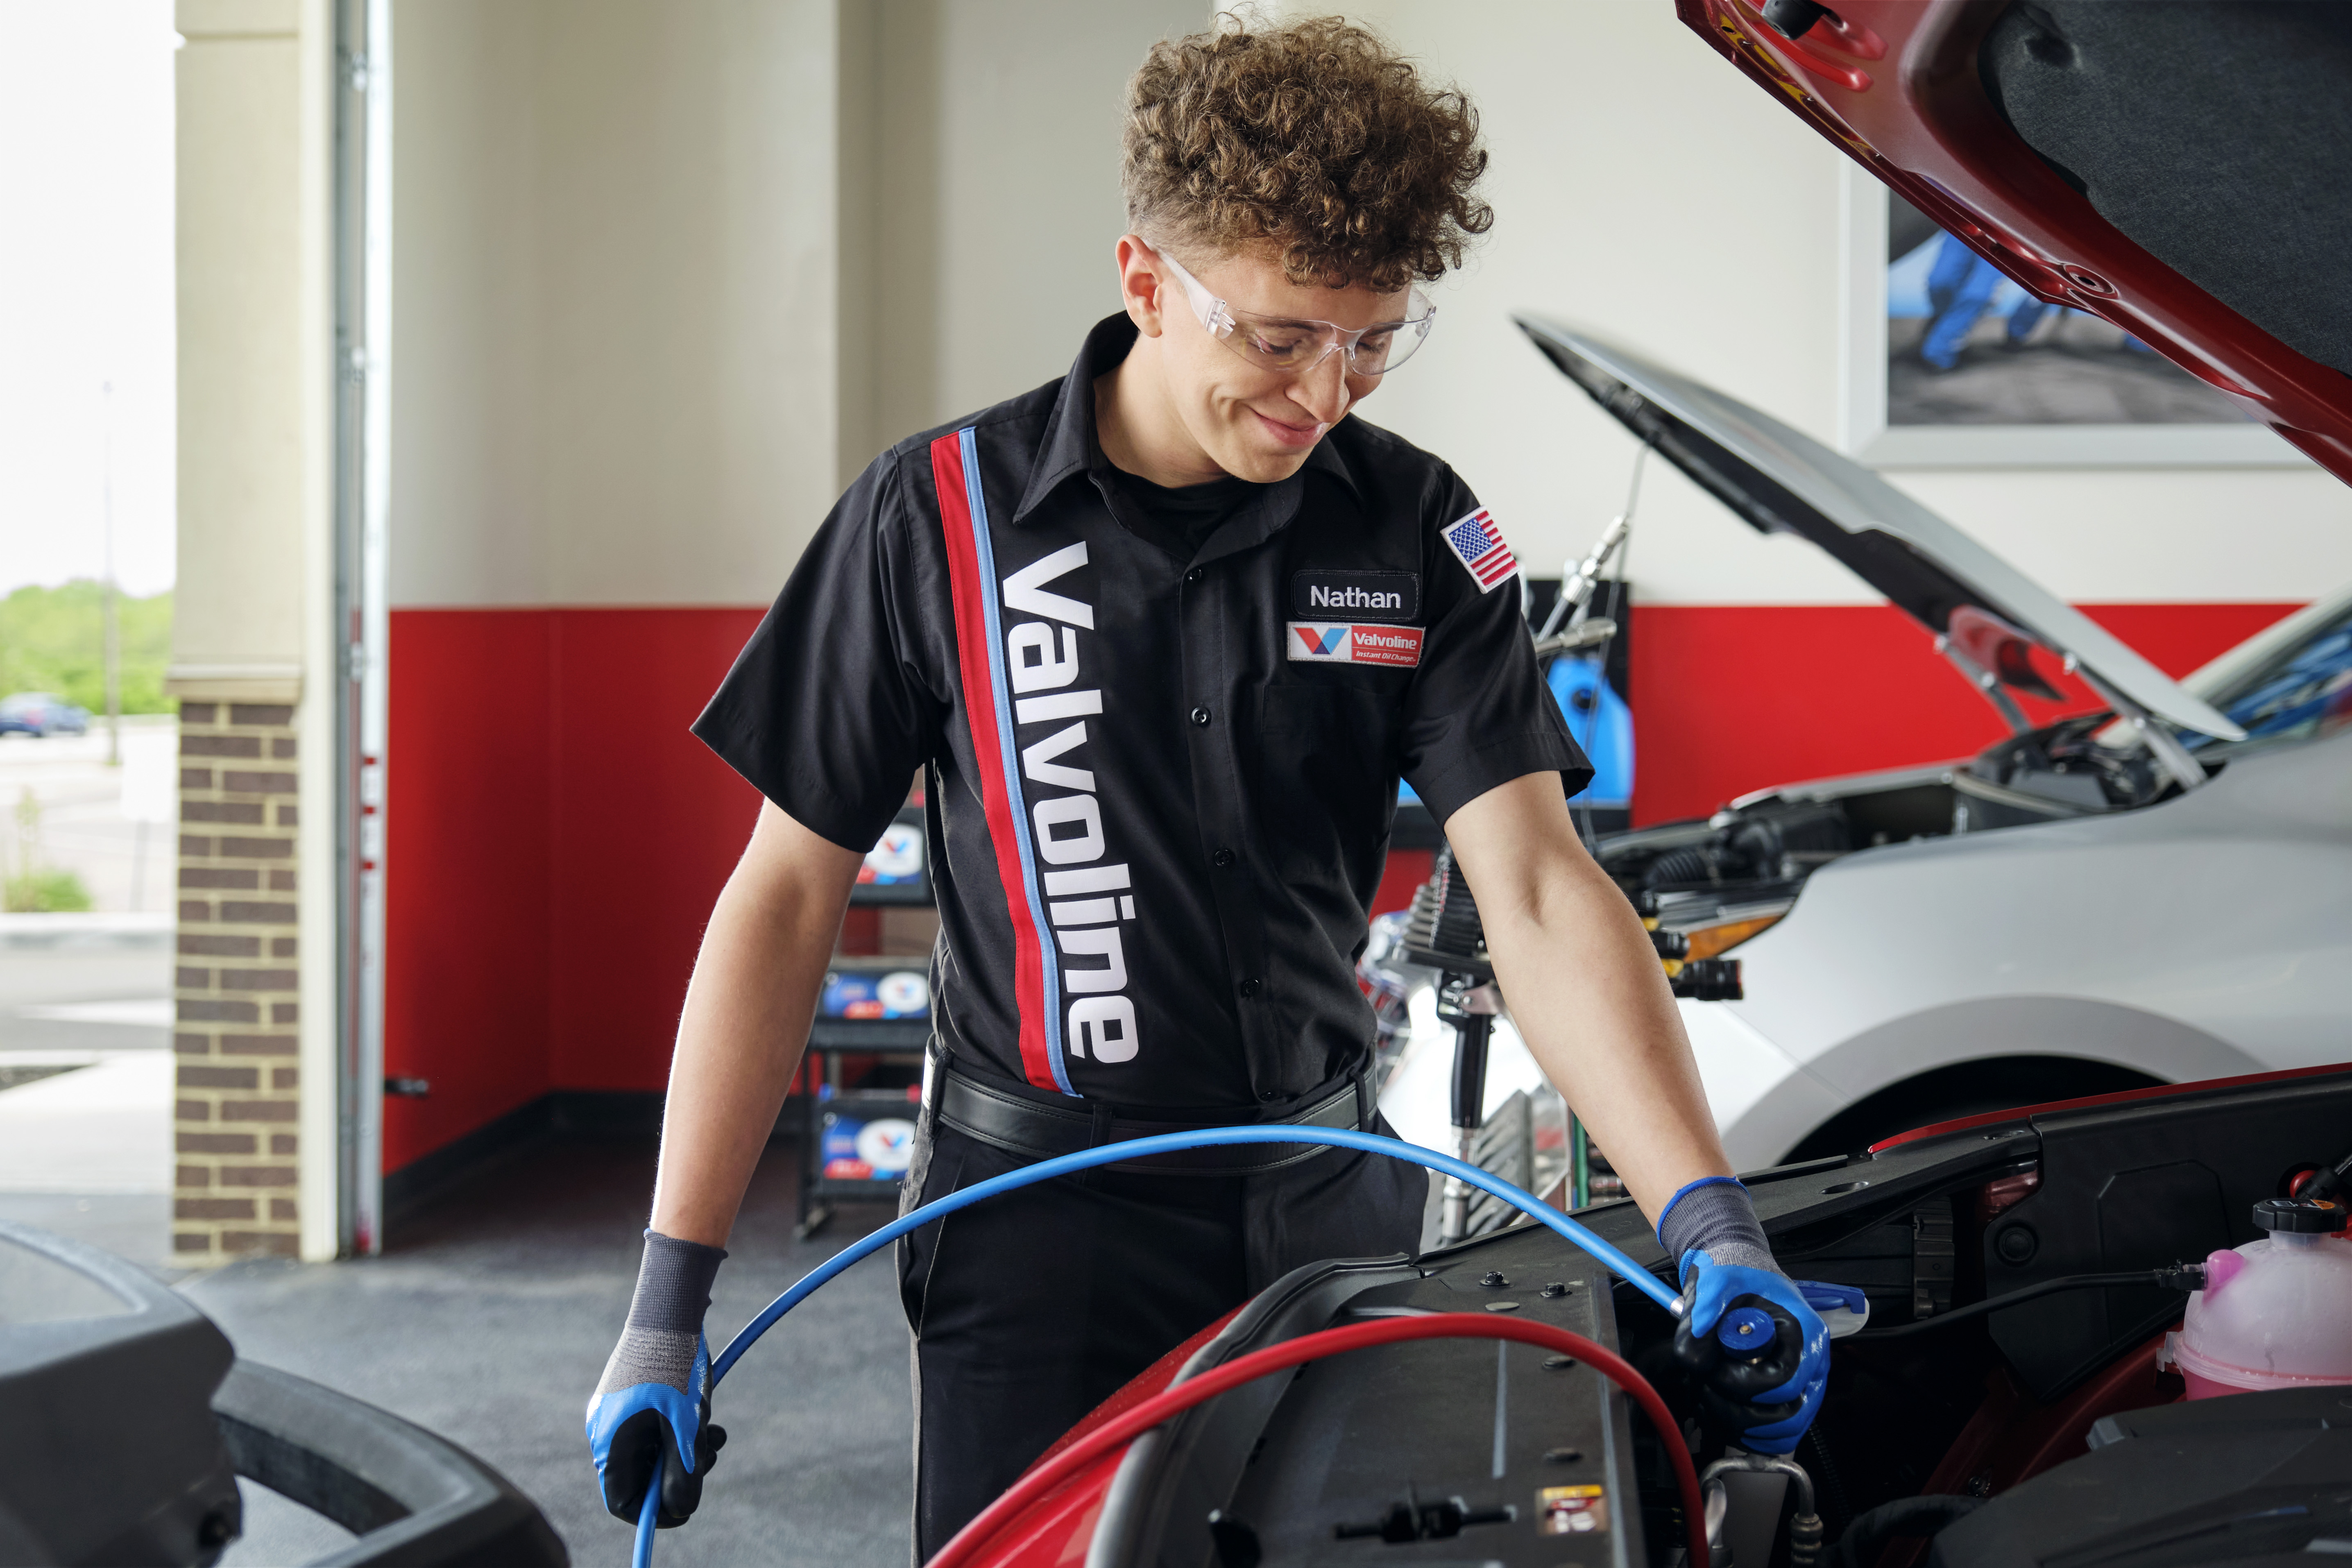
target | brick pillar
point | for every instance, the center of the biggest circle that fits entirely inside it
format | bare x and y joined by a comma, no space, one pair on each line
235,1124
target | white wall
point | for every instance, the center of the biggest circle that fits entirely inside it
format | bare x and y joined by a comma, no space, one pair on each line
668,272
1645,189
996,129
1028,189
614,299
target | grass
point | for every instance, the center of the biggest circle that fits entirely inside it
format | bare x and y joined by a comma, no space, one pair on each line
27,886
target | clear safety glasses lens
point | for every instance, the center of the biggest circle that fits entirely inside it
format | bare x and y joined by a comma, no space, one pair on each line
1298,347
1295,347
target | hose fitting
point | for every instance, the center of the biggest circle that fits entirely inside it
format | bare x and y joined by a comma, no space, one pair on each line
1804,1525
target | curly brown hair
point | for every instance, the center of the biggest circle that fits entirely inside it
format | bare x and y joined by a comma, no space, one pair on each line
1317,137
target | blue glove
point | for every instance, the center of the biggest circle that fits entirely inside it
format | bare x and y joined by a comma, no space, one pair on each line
654,1401
1763,1355
1760,1353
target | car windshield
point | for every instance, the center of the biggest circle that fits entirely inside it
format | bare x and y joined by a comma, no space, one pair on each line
2297,688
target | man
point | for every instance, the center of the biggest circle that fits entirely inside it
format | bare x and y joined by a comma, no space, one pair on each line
1163,636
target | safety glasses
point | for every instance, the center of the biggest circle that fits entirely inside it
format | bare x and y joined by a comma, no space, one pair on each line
1293,346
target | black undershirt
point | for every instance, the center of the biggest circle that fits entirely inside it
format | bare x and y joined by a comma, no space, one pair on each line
1179,520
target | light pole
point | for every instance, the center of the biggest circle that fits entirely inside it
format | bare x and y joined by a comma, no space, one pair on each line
106,588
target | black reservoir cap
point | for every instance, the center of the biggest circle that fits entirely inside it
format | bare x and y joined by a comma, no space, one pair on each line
2306,1216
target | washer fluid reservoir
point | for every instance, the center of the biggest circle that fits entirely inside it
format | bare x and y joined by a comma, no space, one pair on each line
2274,1313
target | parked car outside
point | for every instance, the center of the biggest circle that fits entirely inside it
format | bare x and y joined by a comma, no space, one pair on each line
38,713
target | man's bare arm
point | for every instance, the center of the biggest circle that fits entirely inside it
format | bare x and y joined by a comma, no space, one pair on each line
747,1021
1585,988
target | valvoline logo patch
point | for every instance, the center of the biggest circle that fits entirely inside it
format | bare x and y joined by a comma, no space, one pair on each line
1321,642
1352,642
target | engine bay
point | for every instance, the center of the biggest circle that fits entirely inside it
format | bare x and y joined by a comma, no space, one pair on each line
1749,861
2049,1431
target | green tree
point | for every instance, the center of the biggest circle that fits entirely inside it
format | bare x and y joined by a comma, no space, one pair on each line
54,639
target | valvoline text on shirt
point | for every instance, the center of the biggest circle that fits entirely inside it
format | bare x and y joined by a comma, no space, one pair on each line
1084,900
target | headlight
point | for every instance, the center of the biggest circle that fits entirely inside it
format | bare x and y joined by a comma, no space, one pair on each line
1707,941
1687,943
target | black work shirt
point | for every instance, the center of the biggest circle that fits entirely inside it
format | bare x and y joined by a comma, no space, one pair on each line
1178,520
1161,783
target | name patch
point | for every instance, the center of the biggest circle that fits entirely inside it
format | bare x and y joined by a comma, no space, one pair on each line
1323,595
1353,642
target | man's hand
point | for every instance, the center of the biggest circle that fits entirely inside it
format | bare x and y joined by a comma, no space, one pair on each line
632,1428
1761,1353
653,1403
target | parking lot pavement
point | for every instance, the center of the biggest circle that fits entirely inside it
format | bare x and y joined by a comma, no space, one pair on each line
102,1126
85,1150
82,826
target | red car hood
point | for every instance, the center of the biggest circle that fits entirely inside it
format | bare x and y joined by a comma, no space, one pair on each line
2177,170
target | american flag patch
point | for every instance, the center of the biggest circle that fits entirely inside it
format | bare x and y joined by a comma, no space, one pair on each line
1478,545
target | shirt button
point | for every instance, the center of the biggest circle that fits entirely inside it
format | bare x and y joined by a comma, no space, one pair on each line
1200,715
1268,1095
1221,858
1253,985
1193,576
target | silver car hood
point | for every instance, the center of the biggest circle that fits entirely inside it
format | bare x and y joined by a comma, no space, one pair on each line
1780,481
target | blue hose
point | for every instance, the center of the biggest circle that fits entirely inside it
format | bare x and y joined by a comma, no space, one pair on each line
1543,1213
650,1513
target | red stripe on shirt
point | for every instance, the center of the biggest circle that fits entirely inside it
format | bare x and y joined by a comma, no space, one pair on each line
974,655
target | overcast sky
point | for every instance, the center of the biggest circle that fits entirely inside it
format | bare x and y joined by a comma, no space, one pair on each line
84,289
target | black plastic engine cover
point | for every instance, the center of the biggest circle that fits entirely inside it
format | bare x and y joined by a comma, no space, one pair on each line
98,1360
1436,1452
2245,1479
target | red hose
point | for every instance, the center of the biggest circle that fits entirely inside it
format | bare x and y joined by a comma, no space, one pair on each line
1058,1468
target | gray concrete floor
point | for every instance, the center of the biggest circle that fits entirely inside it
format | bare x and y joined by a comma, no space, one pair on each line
488,1318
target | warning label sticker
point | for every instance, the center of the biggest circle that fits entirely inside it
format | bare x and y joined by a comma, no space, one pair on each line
1572,1510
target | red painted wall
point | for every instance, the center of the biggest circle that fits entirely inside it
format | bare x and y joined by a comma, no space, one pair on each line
647,824
469,771
1729,699
557,838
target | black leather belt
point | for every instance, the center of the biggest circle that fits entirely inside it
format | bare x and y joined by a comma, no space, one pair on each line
1039,1132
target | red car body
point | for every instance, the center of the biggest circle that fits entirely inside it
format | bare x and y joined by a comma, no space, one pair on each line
1895,84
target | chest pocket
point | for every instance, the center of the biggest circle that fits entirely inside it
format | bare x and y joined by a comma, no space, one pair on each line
1325,755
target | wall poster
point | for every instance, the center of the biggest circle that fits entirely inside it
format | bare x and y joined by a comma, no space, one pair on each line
1949,363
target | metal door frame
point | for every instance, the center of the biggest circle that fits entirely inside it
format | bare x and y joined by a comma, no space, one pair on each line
362,339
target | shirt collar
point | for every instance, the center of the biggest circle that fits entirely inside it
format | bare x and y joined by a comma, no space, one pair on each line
1069,444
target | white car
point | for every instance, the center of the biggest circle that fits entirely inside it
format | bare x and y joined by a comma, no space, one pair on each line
2159,893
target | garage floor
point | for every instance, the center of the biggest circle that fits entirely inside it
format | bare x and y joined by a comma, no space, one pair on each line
488,1320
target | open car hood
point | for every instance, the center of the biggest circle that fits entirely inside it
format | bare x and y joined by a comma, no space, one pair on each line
2175,169
1780,482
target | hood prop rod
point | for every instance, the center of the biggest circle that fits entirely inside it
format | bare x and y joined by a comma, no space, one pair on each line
2162,744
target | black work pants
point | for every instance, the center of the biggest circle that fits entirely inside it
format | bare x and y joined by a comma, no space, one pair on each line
1031,1308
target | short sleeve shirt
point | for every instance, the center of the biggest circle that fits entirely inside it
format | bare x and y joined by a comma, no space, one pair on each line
1161,785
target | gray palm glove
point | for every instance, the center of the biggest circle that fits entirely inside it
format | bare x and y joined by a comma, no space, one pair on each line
656,1387
1758,1350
